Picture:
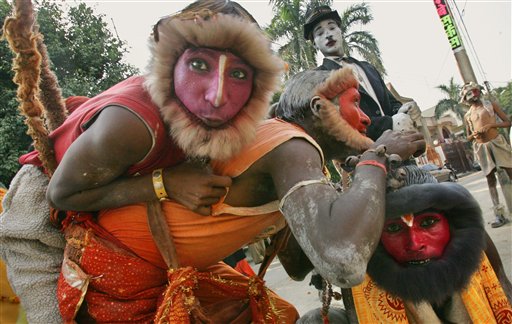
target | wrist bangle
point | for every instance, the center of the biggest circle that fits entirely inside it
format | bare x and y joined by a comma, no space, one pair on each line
373,163
158,184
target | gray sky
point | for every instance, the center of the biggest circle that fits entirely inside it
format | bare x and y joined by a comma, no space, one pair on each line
414,46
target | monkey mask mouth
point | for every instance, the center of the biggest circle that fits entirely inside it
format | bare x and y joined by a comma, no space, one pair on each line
347,123
222,32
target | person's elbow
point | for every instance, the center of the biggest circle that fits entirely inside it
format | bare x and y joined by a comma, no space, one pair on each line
348,271
53,198
59,199
349,277
297,273
294,261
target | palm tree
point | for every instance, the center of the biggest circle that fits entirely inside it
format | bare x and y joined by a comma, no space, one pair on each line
287,27
360,41
451,103
504,97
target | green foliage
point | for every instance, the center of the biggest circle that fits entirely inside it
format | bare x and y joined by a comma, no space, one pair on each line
6,74
451,91
86,57
13,138
287,27
504,97
360,41
335,176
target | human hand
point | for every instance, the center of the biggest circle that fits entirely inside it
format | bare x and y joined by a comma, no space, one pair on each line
483,129
193,185
405,144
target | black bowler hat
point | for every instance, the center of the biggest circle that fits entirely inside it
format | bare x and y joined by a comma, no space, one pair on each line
315,15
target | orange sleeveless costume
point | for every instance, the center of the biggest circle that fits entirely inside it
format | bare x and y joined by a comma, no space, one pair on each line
125,280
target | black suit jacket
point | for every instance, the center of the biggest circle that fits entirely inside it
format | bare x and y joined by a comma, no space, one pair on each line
388,103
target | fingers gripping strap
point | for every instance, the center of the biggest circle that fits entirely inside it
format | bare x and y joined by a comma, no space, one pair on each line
301,184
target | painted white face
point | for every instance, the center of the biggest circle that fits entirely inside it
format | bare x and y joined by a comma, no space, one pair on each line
327,38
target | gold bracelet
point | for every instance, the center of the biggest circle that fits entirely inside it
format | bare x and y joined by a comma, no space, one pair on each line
158,184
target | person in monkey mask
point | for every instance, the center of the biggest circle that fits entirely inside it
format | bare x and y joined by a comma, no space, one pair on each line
208,84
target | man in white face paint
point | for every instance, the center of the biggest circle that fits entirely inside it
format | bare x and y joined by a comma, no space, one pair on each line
322,28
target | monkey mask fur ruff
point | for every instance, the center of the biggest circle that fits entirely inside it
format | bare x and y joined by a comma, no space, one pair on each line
315,93
439,279
205,28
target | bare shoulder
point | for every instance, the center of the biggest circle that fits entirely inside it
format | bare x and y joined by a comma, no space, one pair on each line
117,118
116,139
297,151
291,162
112,142
117,128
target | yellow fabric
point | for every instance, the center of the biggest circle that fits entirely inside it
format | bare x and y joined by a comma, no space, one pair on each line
3,191
484,300
9,305
485,290
9,309
374,305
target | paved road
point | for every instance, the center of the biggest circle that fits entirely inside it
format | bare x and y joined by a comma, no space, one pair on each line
305,297
501,236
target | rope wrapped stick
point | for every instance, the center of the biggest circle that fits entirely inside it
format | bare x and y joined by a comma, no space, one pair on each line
27,66
50,95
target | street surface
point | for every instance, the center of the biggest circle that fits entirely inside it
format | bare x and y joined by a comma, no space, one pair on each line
305,297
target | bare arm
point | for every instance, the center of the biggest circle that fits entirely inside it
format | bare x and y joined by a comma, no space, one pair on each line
469,131
92,173
505,121
338,233
294,261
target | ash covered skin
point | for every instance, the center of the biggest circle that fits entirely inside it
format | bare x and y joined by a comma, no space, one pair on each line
338,233
342,262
